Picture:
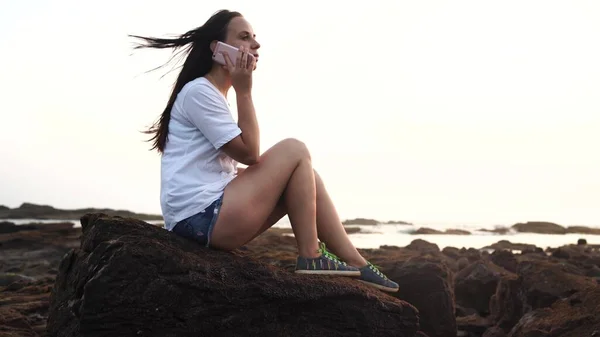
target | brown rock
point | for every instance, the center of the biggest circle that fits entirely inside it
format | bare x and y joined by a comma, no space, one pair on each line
130,278
452,252
507,245
539,227
546,282
475,284
583,230
498,230
463,262
426,230
427,284
507,304
494,332
361,221
423,246
504,259
474,325
576,316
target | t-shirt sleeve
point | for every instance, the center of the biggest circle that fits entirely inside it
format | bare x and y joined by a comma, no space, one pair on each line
210,115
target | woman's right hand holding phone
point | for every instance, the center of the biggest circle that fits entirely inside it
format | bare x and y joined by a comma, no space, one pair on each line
241,70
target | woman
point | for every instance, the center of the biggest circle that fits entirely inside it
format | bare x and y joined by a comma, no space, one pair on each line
204,196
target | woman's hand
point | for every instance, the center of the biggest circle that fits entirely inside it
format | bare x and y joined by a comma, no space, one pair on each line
241,71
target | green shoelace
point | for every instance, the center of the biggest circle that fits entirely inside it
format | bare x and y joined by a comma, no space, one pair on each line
323,250
376,270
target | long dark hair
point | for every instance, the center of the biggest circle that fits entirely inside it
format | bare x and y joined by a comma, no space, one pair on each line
196,43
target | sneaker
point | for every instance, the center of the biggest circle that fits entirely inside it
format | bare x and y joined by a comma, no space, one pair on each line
370,275
326,264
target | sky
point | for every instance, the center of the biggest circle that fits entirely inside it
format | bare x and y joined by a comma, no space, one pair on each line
424,111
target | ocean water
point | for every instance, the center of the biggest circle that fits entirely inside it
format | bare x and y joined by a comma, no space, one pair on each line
399,235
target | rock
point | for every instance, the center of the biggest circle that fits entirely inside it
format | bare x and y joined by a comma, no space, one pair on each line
425,231
452,252
398,222
8,278
494,332
33,211
463,262
505,259
361,221
583,230
423,246
581,242
498,230
457,232
132,278
474,325
507,245
539,227
24,308
507,304
475,284
9,227
462,311
576,316
471,254
427,284
546,282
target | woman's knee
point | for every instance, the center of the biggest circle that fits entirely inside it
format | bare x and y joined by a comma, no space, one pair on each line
296,147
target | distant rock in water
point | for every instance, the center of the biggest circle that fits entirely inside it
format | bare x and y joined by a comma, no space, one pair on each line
373,222
361,221
539,227
398,222
583,230
130,278
33,211
425,230
498,230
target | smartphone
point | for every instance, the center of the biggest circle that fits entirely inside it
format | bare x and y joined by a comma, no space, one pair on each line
230,50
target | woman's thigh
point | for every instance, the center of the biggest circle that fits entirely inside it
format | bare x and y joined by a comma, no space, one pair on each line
250,200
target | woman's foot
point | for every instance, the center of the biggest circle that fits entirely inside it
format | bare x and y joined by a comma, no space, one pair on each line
370,275
324,264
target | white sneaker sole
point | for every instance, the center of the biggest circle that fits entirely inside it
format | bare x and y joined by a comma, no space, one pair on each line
329,272
380,287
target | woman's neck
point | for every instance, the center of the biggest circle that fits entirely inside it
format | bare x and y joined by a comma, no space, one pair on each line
219,77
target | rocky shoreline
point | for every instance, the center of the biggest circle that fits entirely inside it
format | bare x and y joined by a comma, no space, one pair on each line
127,277
45,212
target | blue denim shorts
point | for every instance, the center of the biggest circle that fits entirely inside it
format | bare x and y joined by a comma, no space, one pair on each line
199,226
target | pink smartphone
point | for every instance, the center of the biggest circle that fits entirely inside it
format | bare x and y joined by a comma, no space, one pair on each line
230,50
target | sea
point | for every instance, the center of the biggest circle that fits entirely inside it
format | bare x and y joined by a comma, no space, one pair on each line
374,236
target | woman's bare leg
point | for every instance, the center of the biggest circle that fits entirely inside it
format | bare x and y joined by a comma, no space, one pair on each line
329,226
248,201
331,230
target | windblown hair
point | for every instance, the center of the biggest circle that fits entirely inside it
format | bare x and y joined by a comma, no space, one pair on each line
196,44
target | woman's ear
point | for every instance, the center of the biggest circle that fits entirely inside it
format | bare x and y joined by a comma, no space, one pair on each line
213,45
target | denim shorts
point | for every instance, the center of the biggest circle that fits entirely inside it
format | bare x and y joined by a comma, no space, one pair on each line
199,226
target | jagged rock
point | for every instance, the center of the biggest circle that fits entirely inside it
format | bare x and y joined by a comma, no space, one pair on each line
476,283
423,246
474,325
427,284
576,316
494,332
505,259
545,282
507,304
130,278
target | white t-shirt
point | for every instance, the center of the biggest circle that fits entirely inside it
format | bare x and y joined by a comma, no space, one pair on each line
194,170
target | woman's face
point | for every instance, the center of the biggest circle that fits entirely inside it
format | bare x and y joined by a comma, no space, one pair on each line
240,34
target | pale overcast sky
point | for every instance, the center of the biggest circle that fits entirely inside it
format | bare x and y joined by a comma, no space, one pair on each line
426,111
